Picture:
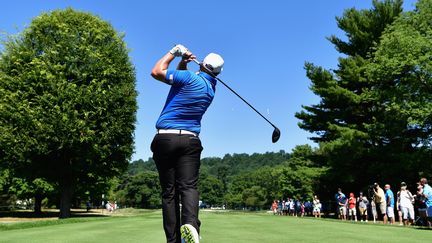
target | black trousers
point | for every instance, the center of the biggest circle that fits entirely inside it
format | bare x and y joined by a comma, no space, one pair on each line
177,158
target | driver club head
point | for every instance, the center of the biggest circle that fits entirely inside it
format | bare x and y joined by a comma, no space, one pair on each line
276,135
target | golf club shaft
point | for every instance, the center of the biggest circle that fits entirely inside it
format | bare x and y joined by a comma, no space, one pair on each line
228,87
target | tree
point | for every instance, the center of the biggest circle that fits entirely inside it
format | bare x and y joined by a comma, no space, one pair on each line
298,181
297,178
67,102
211,189
247,187
401,71
254,197
140,165
37,188
349,108
141,190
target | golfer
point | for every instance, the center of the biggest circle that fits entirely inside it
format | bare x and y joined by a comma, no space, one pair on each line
176,146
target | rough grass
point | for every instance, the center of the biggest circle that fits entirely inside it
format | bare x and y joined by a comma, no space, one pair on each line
146,226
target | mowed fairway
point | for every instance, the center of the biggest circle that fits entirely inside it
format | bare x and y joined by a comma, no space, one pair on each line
216,227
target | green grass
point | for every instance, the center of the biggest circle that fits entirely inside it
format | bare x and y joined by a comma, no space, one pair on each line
216,227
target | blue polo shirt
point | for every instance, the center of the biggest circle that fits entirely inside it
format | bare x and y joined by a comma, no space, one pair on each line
341,198
389,195
189,97
427,191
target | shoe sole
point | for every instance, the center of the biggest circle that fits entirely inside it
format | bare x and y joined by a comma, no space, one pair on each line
186,234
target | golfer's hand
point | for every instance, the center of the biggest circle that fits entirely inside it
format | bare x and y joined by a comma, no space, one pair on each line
178,50
188,56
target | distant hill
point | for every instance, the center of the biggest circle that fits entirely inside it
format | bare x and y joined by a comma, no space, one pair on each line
231,164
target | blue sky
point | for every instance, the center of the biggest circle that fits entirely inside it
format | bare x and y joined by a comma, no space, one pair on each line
264,43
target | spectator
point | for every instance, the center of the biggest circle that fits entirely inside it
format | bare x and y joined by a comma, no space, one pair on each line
389,197
109,207
295,206
316,207
405,202
374,210
399,210
363,203
283,207
307,207
310,207
342,204
279,209
420,203
291,207
302,209
427,193
380,201
274,207
287,206
298,207
352,211
336,197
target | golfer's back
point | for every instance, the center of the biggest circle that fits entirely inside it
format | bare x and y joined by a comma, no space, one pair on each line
190,96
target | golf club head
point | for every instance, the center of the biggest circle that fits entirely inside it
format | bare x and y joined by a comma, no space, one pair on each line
276,135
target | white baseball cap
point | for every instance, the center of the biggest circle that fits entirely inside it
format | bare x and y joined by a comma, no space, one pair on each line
214,63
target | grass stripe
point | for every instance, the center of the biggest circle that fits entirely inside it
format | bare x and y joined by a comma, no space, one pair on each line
216,227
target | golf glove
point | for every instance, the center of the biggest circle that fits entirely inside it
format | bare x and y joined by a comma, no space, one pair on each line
178,50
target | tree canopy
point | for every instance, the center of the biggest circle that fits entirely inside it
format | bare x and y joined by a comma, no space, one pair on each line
67,102
373,120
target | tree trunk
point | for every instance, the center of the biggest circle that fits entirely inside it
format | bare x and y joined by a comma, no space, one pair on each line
38,204
67,188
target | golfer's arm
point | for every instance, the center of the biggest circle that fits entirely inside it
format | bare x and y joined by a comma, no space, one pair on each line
160,68
182,65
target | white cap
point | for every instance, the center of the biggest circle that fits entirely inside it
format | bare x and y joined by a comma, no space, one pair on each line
214,63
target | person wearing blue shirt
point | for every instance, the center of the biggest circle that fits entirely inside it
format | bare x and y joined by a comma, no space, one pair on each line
341,201
176,146
389,197
427,193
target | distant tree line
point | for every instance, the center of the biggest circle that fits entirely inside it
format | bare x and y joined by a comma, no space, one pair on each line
237,181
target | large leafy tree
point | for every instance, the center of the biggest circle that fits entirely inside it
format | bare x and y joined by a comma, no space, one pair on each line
401,72
343,120
67,102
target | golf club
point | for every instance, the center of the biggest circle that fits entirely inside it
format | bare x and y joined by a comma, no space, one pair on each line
276,132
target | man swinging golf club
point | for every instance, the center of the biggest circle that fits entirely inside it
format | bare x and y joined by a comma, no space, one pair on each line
176,146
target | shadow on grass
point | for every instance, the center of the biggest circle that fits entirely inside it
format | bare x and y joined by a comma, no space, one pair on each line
423,228
50,214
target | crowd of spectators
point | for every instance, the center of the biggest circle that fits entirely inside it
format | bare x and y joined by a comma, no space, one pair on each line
383,204
298,208
377,204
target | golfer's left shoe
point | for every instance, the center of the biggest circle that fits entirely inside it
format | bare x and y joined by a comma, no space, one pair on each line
189,234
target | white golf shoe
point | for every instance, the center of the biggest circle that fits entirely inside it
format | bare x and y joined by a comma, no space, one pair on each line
189,234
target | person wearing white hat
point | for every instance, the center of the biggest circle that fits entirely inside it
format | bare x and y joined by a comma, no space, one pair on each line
176,146
405,201
214,63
